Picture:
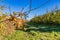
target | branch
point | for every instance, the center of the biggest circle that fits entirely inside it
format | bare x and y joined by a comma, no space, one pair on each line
38,7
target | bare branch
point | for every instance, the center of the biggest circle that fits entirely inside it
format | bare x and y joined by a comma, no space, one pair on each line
38,7
22,9
30,6
10,10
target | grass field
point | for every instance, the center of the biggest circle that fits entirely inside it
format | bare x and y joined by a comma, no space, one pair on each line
46,34
33,35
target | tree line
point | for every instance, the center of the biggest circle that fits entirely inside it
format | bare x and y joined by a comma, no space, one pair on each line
52,17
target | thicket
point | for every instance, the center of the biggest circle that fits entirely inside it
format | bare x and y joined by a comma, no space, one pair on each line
5,26
52,17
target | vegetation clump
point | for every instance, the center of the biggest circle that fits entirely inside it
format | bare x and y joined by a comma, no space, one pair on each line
49,18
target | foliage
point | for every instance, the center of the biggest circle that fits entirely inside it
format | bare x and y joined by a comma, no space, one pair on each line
6,27
52,17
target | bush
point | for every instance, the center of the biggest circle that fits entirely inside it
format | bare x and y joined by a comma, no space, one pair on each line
6,29
48,18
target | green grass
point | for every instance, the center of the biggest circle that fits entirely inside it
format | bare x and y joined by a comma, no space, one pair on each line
44,33
33,35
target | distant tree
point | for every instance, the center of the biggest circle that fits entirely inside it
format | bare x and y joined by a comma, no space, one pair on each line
50,18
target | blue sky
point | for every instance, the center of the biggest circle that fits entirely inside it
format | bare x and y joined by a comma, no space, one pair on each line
16,5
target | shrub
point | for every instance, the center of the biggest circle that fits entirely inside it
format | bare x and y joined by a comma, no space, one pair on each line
6,28
48,18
